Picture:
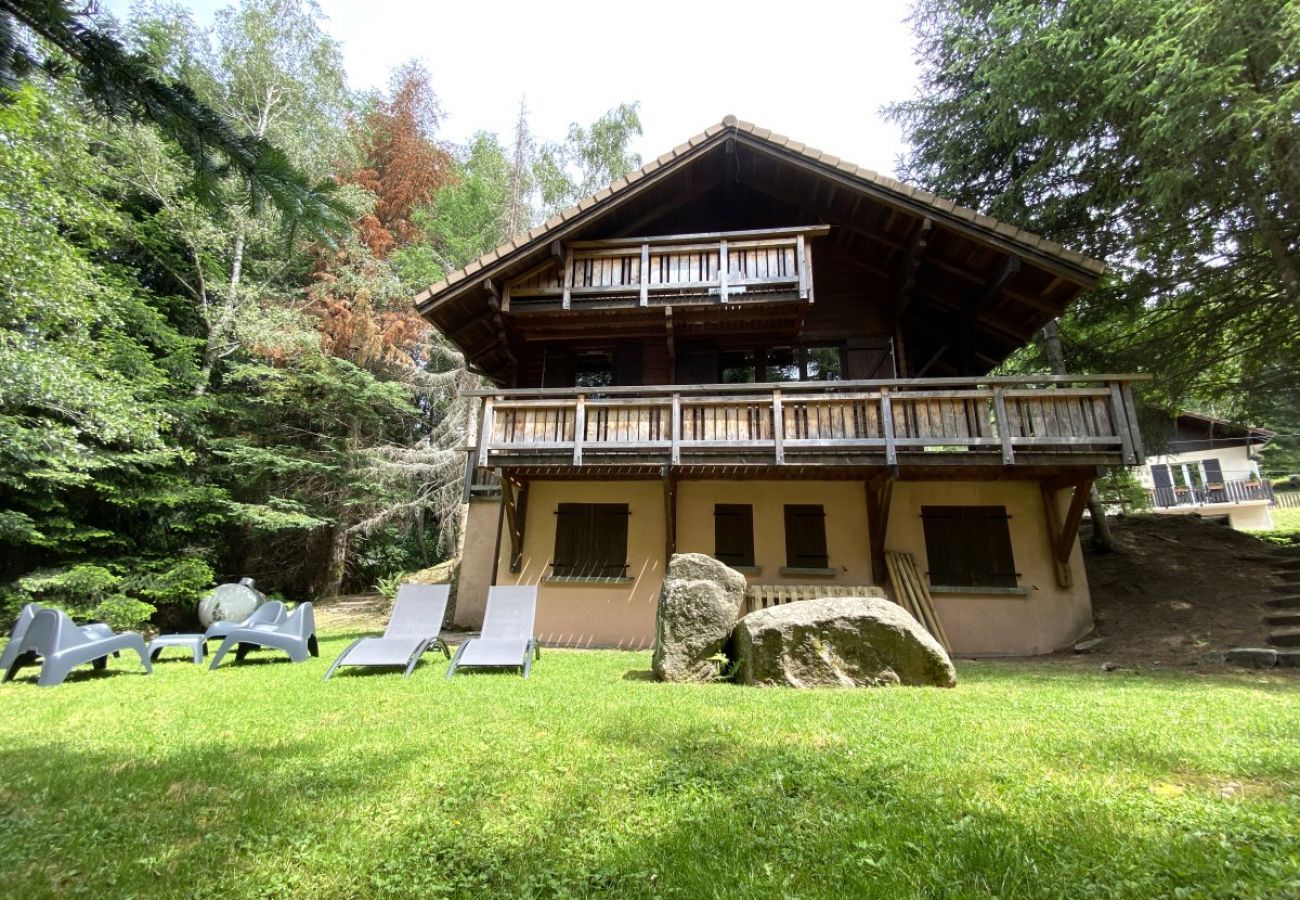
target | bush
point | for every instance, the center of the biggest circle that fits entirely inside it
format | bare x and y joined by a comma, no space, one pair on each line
84,592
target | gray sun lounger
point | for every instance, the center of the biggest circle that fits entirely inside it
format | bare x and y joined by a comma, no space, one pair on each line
413,628
507,639
96,630
62,646
267,617
296,636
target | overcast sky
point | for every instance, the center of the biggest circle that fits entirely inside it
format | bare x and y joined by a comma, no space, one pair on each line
815,71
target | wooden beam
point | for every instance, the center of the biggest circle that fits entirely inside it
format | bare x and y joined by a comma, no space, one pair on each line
1061,533
880,493
515,497
905,276
672,344
670,511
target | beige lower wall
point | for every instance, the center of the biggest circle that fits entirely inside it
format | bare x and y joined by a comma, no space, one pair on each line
1046,618
587,615
1250,515
1043,619
477,562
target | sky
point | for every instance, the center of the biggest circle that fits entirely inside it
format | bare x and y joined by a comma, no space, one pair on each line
815,71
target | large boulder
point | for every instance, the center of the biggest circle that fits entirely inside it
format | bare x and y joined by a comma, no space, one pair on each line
229,602
698,607
838,641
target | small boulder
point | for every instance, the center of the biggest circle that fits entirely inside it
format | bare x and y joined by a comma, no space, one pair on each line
698,606
228,602
1089,645
1252,657
838,641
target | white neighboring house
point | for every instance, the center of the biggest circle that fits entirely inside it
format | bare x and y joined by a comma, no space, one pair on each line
1209,468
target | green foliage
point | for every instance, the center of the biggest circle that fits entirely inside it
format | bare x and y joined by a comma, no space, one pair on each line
88,592
589,158
387,585
1157,136
1027,780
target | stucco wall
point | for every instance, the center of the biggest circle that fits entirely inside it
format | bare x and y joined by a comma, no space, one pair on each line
1043,619
1235,462
582,615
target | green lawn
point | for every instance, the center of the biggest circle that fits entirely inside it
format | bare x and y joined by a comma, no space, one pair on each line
1286,520
260,780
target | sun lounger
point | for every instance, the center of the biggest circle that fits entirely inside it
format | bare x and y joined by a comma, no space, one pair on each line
296,636
507,639
62,646
412,629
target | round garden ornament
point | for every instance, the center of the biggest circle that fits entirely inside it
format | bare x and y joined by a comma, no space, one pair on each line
229,602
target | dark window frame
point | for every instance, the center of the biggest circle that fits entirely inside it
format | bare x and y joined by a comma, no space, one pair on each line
969,546
590,541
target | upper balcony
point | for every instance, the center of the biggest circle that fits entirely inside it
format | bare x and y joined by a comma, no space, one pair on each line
1021,421
680,269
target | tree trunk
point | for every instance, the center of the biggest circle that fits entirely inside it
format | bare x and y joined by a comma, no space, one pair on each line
1102,539
331,584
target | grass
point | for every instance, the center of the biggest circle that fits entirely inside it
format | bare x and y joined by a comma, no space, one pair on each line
1025,781
1286,520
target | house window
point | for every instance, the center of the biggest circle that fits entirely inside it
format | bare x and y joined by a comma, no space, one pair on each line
968,546
590,540
805,536
733,534
593,370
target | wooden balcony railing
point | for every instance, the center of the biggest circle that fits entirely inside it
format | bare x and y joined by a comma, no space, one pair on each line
720,267
1237,491
993,418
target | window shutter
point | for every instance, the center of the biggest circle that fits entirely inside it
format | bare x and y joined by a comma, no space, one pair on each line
570,525
992,563
590,540
733,533
609,557
969,546
805,536
943,545
1161,478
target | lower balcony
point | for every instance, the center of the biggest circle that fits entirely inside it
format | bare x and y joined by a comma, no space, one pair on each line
1039,420
1227,492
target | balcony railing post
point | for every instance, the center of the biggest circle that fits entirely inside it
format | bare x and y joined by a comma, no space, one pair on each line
801,260
887,425
579,428
485,425
645,275
1119,416
568,277
778,426
676,453
1003,423
723,265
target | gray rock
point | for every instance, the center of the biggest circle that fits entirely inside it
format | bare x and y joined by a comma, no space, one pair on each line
698,606
1110,667
1252,657
1288,659
1089,645
229,602
838,641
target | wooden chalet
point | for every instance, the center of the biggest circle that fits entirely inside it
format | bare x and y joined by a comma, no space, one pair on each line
755,350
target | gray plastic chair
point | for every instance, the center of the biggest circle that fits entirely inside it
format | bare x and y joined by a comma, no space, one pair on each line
296,636
96,630
62,646
412,629
268,616
507,639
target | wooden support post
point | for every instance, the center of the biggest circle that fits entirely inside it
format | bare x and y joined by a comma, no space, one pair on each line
887,425
1062,533
1135,428
1003,424
722,271
515,500
645,275
672,343
579,428
486,424
778,426
670,512
880,493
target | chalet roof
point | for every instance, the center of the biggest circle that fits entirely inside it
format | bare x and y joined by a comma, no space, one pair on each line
1225,427
451,304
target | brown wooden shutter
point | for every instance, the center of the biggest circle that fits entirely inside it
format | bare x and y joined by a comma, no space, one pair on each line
571,527
733,533
609,540
969,546
590,540
805,536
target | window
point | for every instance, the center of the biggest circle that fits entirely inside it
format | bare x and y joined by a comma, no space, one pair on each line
782,364
733,534
805,537
823,364
590,540
593,370
968,546
736,367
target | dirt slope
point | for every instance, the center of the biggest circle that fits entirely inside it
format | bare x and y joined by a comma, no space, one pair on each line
1177,592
